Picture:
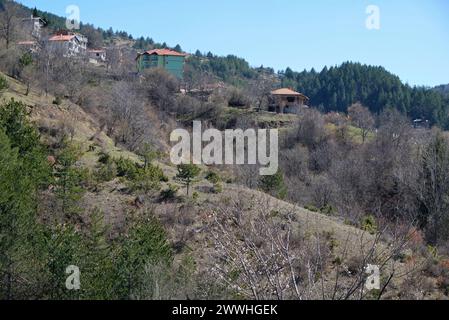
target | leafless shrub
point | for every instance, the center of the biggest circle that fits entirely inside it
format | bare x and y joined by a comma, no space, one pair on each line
238,99
254,256
310,130
261,253
160,88
362,118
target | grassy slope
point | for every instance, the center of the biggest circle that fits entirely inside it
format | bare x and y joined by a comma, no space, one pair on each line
44,111
116,204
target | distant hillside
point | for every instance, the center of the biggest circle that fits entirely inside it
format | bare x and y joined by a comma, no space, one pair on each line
336,88
332,89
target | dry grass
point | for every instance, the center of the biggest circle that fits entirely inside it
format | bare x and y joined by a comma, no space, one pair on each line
189,227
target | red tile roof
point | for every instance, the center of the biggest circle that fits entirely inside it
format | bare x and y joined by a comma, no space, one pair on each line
61,37
165,52
286,92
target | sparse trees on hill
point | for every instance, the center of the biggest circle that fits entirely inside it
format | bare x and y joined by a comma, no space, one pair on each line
36,250
309,130
113,57
263,253
94,35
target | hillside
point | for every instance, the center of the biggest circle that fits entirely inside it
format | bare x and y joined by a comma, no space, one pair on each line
51,119
334,88
192,225
86,180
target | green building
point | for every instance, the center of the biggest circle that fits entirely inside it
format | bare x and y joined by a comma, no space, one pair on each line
170,60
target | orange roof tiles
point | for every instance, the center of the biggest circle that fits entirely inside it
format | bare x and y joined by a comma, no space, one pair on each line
61,37
165,52
286,92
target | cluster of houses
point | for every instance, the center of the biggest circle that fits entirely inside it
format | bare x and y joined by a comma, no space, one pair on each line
72,44
66,43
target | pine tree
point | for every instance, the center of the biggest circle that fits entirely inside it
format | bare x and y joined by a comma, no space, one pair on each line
274,184
145,245
23,172
68,187
98,260
177,48
187,174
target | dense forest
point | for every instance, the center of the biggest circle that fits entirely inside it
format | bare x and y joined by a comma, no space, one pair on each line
444,89
336,88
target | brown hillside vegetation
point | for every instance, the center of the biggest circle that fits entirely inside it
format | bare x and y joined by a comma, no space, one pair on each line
247,228
358,208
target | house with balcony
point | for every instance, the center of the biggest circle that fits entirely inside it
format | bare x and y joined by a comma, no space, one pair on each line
169,60
286,100
68,44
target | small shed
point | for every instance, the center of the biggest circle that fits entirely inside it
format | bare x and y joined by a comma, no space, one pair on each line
286,100
170,60
96,56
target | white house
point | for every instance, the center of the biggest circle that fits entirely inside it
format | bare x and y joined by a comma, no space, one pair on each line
69,45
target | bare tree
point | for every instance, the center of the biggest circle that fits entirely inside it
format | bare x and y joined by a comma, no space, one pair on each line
260,92
45,60
362,118
309,130
9,22
434,188
128,120
262,253
113,58
257,257
160,88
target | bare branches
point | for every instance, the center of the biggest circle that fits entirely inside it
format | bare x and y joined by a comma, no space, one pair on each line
262,253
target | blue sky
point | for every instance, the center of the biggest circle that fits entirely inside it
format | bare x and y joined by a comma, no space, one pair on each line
413,40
